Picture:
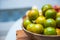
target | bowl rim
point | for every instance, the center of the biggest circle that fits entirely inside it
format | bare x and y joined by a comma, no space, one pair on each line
40,34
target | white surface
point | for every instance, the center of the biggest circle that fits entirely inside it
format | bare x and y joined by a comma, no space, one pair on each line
7,25
12,33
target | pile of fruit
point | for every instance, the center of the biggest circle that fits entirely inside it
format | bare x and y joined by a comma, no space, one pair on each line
45,21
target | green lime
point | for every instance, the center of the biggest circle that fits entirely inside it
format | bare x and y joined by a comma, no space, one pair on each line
51,13
50,22
26,22
50,31
46,7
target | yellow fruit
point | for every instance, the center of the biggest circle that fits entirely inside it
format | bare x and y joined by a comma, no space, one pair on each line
38,28
58,14
29,27
58,31
40,20
33,14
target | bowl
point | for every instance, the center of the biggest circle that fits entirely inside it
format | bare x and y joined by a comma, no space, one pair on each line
34,36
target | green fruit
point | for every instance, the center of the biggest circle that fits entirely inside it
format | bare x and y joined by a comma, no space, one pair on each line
29,27
58,21
33,14
58,14
46,7
40,20
50,22
38,28
50,31
51,13
26,22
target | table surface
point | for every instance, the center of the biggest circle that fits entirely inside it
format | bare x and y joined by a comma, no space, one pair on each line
21,35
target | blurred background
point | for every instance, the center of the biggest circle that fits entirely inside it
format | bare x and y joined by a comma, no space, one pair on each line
12,10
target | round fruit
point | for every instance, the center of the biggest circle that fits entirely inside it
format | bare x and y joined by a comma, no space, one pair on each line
58,14
29,27
51,13
46,7
58,21
58,31
40,20
26,22
33,14
50,22
50,31
38,28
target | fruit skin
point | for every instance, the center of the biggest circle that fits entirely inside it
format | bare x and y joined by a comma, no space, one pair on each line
58,14
29,27
33,14
58,31
51,13
50,22
40,20
46,7
50,31
26,22
37,29
58,22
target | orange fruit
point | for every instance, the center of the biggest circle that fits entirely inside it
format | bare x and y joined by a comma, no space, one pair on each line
50,22
50,31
